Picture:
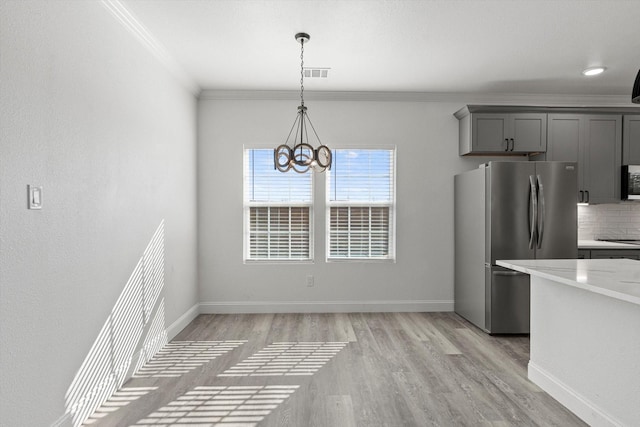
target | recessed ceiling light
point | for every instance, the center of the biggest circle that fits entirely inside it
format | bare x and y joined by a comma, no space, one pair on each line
593,71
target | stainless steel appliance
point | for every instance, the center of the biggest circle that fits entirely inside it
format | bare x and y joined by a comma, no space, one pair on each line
630,182
509,210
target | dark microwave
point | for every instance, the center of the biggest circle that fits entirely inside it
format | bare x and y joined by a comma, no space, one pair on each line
630,182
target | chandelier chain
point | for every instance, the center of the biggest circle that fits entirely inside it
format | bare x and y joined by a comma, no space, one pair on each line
302,156
302,72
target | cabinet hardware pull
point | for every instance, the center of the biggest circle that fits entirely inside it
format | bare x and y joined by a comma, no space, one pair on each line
581,196
513,144
587,193
506,140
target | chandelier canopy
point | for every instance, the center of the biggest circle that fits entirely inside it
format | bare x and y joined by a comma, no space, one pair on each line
301,155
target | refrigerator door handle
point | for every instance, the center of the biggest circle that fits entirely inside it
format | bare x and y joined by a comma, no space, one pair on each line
541,216
533,211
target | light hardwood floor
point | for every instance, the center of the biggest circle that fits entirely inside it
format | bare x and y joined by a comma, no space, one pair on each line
361,369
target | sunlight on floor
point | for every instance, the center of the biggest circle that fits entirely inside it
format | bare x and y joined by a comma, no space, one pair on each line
286,358
223,406
180,357
120,398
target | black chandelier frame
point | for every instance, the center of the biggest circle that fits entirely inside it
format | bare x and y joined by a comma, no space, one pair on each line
300,155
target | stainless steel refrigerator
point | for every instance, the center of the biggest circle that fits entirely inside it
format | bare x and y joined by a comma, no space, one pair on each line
509,210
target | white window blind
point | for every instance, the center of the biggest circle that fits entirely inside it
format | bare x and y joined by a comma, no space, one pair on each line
278,210
361,204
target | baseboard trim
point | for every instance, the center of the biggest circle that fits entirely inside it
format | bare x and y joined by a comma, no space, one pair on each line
177,326
323,306
575,402
140,357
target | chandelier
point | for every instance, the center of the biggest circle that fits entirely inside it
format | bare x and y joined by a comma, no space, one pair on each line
300,154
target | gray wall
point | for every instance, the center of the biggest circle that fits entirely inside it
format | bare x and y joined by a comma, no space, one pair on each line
89,114
425,134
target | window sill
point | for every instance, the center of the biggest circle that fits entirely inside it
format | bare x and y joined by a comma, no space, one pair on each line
277,261
362,260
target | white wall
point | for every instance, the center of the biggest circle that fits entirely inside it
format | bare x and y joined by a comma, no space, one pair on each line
426,135
89,114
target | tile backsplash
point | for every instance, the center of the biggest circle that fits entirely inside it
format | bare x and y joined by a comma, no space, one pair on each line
619,221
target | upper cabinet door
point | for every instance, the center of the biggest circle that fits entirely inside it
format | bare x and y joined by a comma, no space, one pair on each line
564,135
528,133
602,158
631,140
595,142
489,133
509,133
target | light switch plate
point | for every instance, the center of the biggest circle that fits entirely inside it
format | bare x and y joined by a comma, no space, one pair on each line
35,196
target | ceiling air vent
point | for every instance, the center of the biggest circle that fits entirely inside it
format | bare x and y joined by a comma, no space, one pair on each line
316,72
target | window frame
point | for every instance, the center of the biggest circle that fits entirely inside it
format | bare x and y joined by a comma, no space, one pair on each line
248,204
391,204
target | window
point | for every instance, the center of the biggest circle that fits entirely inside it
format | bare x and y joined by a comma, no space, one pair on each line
361,205
277,209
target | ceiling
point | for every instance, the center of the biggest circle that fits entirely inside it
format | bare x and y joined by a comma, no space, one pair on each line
465,46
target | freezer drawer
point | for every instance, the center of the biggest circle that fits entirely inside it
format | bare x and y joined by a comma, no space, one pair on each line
507,302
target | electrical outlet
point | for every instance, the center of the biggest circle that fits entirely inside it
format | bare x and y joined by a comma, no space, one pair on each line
310,282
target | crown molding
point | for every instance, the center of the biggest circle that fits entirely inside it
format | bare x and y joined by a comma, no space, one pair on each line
555,100
131,23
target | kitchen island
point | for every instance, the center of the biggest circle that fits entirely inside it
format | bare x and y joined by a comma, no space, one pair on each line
585,335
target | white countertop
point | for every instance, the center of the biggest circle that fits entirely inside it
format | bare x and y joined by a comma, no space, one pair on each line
616,278
599,244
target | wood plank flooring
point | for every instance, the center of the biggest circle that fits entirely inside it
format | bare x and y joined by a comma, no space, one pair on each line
343,370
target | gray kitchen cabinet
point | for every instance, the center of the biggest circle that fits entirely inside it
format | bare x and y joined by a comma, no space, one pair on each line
614,253
584,254
595,143
602,158
502,133
631,140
